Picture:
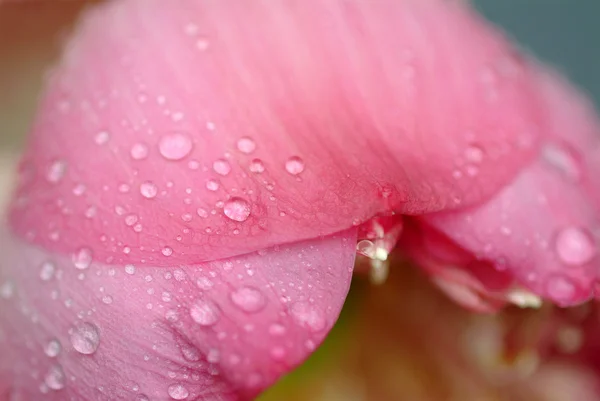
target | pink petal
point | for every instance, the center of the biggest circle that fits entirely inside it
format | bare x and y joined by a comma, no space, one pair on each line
542,228
350,109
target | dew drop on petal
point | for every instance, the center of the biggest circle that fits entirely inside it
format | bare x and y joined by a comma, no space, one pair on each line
246,145
139,151
178,392
257,166
222,167
55,379
205,313
294,165
248,299
202,213
148,190
212,185
474,154
175,146
102,138
575,246
307,316
56,172
204,283
85,338
52,348
561,289
47,271
237,209
167,251
82,259
130,269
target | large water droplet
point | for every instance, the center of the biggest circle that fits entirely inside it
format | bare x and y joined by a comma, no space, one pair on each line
205,313
222,167
82,259
257,166
237,209
56,172
308,316
47,271
178,392
575,246
85,338
294,165
246,145
175,146
248,299
55,378
148,190
53,348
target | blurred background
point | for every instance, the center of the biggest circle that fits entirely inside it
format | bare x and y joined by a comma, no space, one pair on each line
387,344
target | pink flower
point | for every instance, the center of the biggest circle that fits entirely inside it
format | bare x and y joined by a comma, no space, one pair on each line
201,174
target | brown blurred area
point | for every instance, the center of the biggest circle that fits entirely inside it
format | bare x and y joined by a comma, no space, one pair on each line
31,34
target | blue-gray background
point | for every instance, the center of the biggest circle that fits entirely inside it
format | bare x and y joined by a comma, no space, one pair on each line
564,33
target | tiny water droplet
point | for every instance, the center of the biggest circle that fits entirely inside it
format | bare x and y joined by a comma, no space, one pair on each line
175,146
561,289
474,154
246,145
139,151
85,338
212,185
575,246
222,167
205,313
167,251
53,348
130,269
107,299
307,316
55,379
237,209
82,259
47,271
257,166
102,138
277,329
8,289
204,283
294,165
248,299
202,213
178,392
148,190
57,171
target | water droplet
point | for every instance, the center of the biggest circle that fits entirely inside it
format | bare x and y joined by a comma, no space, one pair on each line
130,269
277,329
102,137
139,151
55,378
575,246
175,146
246,145
47,271
53,348
237,209
107,299
248,299
213,355
148,190
222,167
307,316
212,185
561,289
294,165
474,154
563,159
167,251
205,313
202,213
278,353
178,392
56,172
82,259
8,289
257,166
204,283
85,338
